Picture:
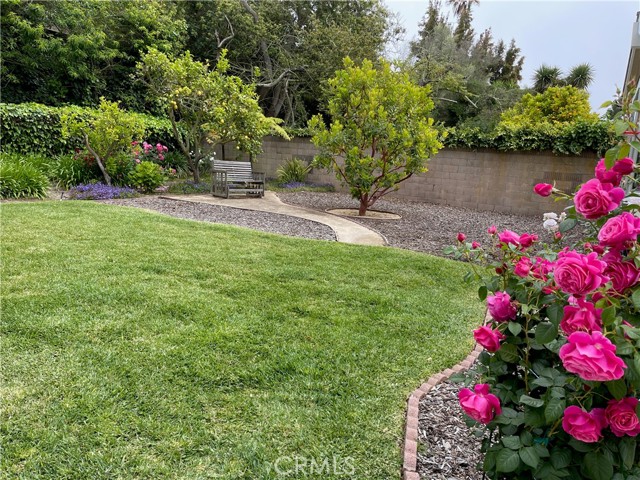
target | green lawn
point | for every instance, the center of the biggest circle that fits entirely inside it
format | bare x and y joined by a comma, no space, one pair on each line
136,345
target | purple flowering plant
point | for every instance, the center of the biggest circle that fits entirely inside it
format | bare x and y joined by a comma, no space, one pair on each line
100,191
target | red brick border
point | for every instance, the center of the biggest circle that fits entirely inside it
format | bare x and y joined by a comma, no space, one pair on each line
410,446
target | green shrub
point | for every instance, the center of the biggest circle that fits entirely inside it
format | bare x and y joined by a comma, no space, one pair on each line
119,167
21,180
175,159
569,139
70,170
293,170
146,176
35,128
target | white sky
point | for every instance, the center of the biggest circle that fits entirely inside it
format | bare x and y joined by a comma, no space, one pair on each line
558,33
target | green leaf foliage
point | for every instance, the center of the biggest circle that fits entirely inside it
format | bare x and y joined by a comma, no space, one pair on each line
380,132
34,128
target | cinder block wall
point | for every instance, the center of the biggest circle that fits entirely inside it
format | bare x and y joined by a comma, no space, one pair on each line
483,180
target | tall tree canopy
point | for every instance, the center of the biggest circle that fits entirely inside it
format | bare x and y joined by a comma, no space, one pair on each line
77,51
296,46
467,74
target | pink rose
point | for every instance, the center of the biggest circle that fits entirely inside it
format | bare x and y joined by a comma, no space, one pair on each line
584,426
582,317
619,229
624,166
595,199
579,274
592,357
607,176
542,268
488,338
492,230
475,245
500,307
482,406
523,267
623,274
622,417
509,237
557,235
461,237
543,189
526,240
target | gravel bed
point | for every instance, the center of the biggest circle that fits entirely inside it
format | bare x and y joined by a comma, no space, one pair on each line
265,222
446,450
424,227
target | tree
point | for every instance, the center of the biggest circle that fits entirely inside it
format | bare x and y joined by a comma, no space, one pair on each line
65,51
296,45
105,134
580,76
465,74
380,133
206,107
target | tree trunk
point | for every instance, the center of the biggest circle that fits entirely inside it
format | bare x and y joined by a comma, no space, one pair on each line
364,204
196,171
106,176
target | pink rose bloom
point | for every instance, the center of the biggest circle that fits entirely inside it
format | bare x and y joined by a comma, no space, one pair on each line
622,418
592,357
624,166
607,176
164,148
583,317
161,157
526,240
542,268
619,229
488,338
482,406
623,275
500,307
579,274
595,199
523,267
543,189
557,235
584,426
461,237
509,237
492,230
475,245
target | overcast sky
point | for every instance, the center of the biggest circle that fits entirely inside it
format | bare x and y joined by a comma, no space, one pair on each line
560,33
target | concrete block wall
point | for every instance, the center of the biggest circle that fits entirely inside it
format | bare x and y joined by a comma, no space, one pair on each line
483,180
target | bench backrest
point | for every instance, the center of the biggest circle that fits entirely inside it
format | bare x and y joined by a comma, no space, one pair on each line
235,170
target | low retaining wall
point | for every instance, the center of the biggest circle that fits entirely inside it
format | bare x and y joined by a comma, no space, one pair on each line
483,180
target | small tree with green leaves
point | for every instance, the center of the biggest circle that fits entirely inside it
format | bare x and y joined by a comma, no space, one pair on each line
380,132
206,107
106,132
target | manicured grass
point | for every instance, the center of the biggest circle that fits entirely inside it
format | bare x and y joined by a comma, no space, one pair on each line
136,345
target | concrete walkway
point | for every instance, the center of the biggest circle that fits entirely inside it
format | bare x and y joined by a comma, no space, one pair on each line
346,231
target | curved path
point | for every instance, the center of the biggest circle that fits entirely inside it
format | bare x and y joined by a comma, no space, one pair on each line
346,231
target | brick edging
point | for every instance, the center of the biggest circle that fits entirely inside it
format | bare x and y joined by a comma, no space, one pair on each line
410,447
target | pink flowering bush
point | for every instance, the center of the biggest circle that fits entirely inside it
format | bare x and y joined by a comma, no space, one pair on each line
556,389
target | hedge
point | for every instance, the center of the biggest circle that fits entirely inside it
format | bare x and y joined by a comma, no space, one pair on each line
34,128
571,139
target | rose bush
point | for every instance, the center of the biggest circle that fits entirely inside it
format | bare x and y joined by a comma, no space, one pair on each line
556,387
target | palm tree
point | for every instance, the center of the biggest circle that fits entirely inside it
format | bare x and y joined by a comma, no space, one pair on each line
580,76
461,6
545,77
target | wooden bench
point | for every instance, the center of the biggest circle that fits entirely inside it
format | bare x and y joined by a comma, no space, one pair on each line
235,178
